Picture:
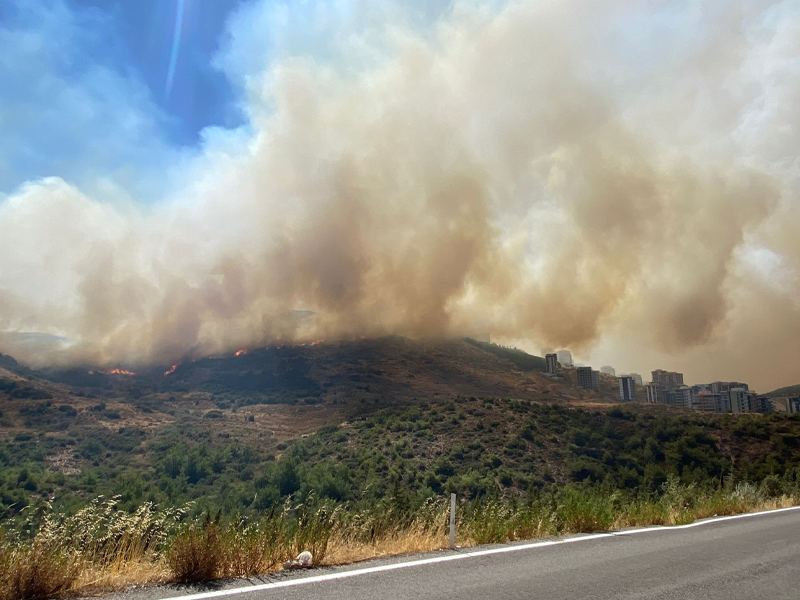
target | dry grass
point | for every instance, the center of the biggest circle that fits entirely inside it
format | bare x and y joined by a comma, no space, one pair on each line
646,514
37,573
99,549
203,552
197,555
347,546
96,580
47,555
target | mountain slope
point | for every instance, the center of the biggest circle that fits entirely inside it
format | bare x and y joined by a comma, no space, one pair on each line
207,428
792,390
381,369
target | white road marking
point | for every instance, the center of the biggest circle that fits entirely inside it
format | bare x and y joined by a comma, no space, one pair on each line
460,556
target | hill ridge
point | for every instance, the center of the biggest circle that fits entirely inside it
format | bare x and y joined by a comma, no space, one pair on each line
789,390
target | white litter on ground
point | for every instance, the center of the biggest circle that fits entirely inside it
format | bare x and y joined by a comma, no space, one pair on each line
303,560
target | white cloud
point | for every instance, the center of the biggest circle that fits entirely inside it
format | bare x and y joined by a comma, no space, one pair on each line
65,111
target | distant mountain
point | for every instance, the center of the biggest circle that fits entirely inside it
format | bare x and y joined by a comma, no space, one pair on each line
792,390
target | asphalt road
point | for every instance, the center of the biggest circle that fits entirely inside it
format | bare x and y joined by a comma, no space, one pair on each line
748,558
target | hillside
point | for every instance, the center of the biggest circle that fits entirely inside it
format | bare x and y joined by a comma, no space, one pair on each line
360,419
334,372
512,448
90,430
792,390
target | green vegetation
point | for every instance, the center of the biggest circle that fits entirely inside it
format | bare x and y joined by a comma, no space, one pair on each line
21,390
792,390
520,359
479,448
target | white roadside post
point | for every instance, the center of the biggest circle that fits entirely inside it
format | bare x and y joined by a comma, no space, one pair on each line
452,521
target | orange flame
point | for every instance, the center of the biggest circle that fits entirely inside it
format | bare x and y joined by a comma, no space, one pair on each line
240,352
304,344
114,372
171,370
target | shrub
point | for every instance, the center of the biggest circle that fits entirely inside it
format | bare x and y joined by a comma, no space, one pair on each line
255,549
197,556
313,529
583,511
35,573
490,523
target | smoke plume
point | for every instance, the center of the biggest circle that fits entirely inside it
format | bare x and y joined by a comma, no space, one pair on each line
566,172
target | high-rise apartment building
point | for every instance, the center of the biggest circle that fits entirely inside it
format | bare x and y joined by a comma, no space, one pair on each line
719,387
588,378
668,380
682,396
708,402
702,387
565,358
552,363
739,399
637,378
653,393
627,388
608,370
763,404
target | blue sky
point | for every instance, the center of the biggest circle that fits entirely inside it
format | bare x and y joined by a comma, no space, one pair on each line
85,93
143,32
84,88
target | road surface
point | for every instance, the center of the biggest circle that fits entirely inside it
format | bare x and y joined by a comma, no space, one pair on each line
757,556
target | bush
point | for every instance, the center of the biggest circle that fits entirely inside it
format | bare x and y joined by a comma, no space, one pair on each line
254,550
35,574
583,511
197,556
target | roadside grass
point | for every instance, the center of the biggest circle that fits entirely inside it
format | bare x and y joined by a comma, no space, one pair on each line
101,548
376,533
37,572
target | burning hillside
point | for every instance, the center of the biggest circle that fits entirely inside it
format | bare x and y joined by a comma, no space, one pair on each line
113,372
343,372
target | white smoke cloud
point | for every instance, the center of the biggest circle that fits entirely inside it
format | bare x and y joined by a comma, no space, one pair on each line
516,168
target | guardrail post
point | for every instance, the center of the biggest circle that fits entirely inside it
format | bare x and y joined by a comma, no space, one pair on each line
452,521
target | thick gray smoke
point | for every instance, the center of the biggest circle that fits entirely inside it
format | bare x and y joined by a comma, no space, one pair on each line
548,171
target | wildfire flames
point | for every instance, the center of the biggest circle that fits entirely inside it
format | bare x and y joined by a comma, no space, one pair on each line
113,372
174,367
301,345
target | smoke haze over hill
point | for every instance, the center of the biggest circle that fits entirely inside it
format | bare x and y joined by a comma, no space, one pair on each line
583,175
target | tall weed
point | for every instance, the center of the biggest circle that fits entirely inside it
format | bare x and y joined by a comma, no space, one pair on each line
583,511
